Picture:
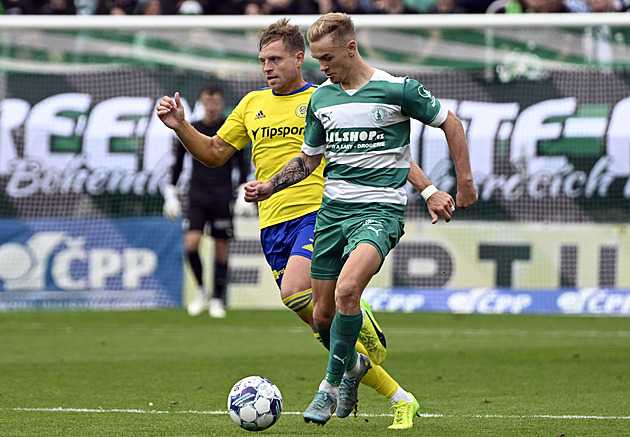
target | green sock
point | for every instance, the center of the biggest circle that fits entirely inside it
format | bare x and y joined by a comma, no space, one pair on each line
344,334
324,336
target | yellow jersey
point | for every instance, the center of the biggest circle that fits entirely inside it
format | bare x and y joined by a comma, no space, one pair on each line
274,123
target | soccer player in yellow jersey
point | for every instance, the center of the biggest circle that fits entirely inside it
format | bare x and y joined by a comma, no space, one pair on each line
273,119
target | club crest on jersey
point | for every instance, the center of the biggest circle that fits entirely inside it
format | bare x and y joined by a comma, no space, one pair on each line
300,111
424,92
378,115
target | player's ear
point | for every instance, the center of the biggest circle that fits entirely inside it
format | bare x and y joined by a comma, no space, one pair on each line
351,47
299,58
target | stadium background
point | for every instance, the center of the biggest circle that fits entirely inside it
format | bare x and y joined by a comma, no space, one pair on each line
546,104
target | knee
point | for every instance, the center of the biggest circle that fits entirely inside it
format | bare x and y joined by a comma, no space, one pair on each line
323,316
192,240
287,291
347,297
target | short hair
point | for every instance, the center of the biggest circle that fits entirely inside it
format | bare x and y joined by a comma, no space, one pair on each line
211,89
336,24
290,35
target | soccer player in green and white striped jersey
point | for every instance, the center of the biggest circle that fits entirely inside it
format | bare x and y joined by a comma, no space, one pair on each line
359,120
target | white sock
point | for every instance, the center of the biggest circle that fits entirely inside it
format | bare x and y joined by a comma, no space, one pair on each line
329,388
401,394
350,373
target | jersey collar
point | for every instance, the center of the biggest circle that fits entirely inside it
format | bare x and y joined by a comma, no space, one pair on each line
299,90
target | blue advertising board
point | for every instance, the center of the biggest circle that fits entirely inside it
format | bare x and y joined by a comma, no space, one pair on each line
115,263
587,301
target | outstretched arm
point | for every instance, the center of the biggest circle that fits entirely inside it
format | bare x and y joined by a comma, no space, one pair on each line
293,172
212,151
438,202
458,147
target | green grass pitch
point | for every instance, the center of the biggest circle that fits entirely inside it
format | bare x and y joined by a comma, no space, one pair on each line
162,373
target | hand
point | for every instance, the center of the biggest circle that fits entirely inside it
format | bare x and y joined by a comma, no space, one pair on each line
172,208
440,203
256,191
466,194
171,111
242,208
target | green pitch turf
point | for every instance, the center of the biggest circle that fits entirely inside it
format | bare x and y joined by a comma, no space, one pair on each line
162,373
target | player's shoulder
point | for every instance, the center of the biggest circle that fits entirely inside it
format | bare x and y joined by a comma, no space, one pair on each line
323,89
259,93
384,76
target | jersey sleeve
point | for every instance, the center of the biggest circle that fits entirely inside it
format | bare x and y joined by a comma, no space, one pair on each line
314,134
419,103
178,152
233,130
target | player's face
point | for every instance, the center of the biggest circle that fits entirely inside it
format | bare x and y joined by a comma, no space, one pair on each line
333,59
281,69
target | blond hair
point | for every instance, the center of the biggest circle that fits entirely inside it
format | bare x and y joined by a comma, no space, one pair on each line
336,24
290,35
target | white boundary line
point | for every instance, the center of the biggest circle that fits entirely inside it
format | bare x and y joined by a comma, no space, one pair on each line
426,415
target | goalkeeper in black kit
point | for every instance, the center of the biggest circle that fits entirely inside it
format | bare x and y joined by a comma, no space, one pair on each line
210,202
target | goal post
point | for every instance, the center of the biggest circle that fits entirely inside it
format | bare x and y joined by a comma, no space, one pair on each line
544,98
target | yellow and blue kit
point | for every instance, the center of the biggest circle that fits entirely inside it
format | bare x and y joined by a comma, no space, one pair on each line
274,123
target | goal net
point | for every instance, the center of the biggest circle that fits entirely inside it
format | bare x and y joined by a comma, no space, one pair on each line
545,103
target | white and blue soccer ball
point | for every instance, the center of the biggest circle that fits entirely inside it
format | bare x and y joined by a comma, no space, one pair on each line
255,403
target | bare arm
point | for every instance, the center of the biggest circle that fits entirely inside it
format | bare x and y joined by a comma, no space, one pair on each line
458,147
296,170
212,151
439,202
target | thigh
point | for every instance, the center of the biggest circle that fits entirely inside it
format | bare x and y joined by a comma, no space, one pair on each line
296,277
219,216
196,216
329,242
290,241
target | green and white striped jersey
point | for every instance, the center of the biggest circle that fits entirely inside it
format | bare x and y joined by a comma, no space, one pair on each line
365,137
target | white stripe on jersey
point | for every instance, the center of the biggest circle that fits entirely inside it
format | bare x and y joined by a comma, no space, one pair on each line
395,158
337,189
357,115
440,118
312,151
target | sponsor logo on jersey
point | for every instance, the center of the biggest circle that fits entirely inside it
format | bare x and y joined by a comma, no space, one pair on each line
259,115
271,132
424,92
362,135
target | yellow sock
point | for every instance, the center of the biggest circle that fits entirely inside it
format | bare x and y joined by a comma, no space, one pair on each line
378,378
301,303
316,334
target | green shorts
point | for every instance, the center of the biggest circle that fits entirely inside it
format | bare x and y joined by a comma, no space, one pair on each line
338,234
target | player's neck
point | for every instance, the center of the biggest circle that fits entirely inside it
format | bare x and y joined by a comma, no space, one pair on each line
358,77
296,85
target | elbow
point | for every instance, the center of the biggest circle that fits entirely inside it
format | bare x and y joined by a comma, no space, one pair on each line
451,120
209,161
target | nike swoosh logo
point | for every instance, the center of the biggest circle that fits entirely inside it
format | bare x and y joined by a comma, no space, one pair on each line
379,333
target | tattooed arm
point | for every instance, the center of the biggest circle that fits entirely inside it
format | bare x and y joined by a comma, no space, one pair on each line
293,172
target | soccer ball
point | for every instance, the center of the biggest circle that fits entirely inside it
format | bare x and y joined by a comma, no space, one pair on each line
255,403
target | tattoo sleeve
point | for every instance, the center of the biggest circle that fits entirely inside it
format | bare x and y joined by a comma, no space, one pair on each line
292,173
